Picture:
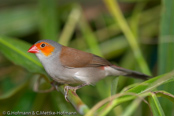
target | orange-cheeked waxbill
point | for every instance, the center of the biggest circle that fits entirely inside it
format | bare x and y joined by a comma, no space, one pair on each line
67,65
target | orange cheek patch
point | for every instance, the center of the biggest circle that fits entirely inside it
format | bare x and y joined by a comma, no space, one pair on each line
47,50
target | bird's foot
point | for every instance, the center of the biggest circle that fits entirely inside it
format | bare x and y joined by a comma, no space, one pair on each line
67,88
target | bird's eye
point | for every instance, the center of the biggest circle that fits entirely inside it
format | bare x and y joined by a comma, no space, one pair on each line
42,45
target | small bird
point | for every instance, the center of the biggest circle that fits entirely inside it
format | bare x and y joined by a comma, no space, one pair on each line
67,65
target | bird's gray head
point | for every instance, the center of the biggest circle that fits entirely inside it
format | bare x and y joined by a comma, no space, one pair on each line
45,49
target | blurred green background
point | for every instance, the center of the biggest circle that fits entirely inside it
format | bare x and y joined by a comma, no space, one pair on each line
134,34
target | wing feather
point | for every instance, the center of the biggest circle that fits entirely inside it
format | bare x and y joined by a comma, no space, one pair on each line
73,58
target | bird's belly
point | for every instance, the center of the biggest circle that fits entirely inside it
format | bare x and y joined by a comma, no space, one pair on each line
63,76
86,75
76,75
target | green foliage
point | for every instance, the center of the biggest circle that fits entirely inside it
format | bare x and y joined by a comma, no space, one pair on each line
156,107
15,50
48,20
125,37
166,47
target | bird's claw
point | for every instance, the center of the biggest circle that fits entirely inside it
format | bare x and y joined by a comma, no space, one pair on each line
66,89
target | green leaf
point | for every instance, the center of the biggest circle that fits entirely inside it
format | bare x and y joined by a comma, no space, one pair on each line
151,84
166,48
165,94
141,90
16,51
112,102
156,107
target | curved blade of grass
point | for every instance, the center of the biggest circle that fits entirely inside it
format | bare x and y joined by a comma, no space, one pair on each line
156,107
140,89
129,87
114,100
165,94
116,12
150,84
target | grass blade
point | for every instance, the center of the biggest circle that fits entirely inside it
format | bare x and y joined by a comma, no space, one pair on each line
131,108
156,107
116,12
70,25
165,94
166,48
142,89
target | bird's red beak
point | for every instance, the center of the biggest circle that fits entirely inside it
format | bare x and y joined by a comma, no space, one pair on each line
33,49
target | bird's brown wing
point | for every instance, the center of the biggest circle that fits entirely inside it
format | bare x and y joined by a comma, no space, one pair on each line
73,58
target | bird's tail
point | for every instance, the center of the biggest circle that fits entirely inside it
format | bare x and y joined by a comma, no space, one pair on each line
131,73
